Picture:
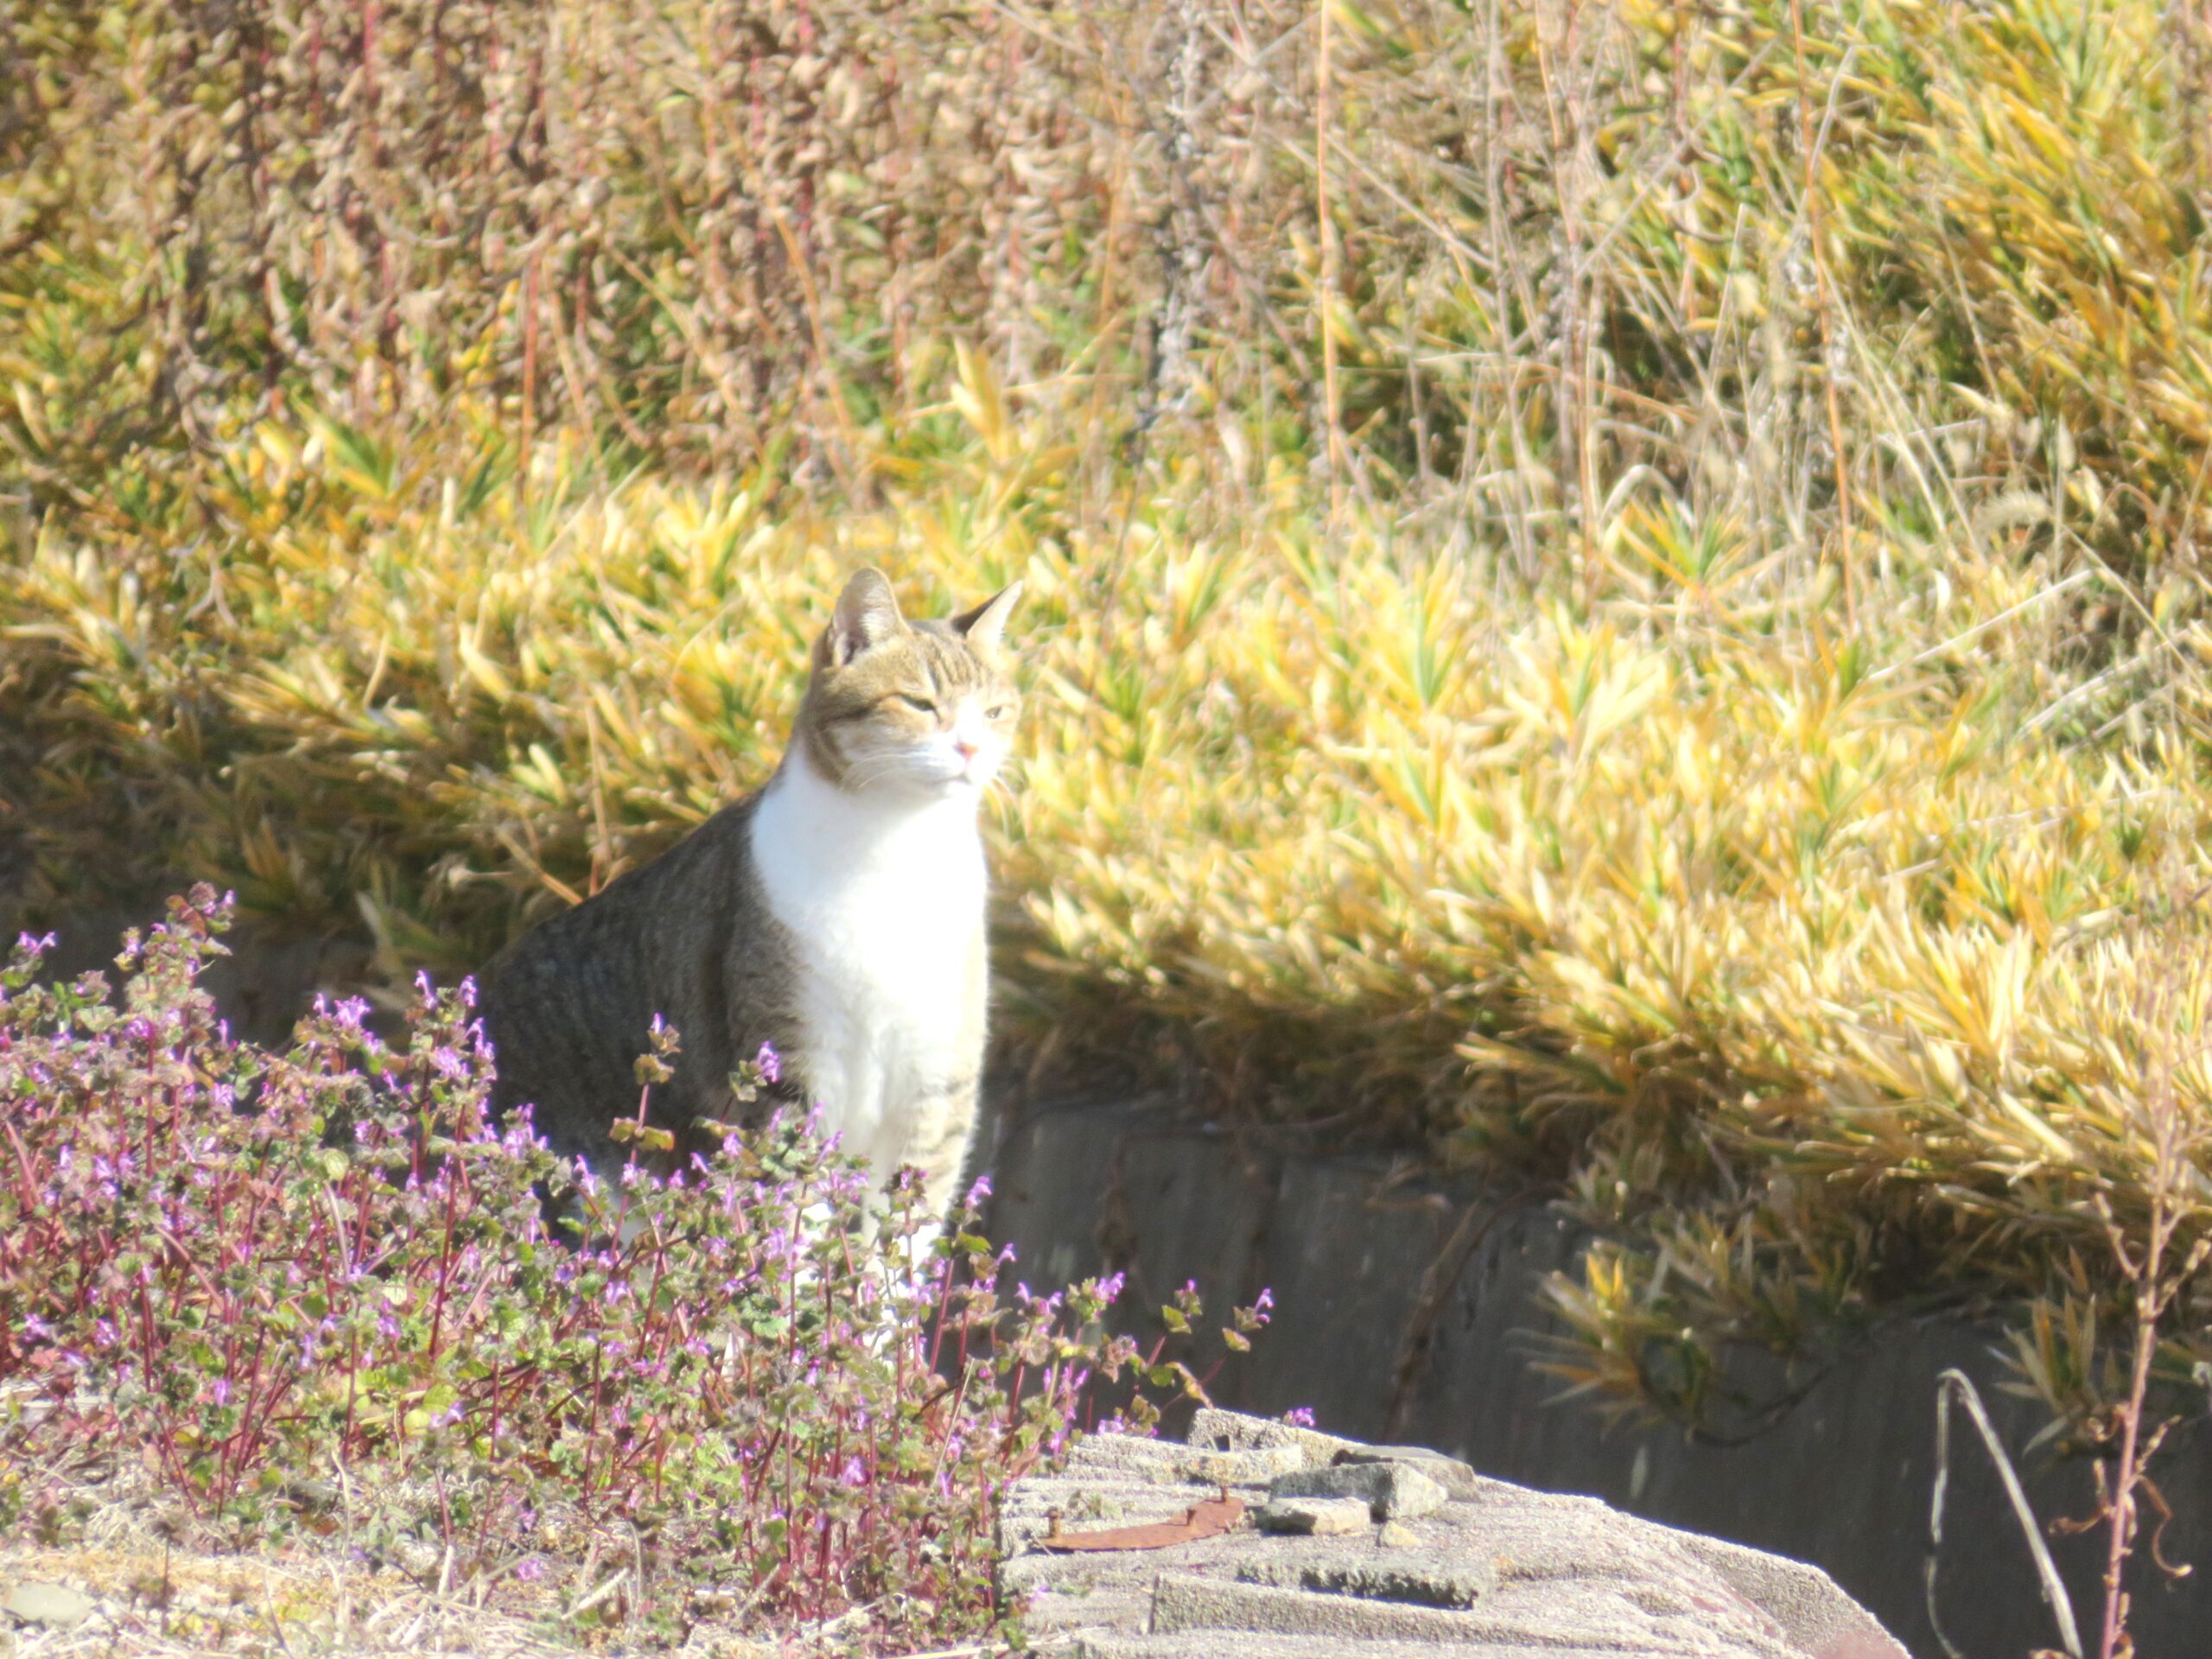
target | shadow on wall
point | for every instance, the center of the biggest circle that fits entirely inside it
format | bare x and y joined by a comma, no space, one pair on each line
262,988
1842,1480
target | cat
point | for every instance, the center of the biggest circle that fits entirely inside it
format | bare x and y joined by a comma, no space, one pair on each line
835,914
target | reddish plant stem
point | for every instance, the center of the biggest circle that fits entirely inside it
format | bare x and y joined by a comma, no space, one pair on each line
2122,1537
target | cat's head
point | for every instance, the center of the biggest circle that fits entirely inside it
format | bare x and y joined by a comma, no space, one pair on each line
924,708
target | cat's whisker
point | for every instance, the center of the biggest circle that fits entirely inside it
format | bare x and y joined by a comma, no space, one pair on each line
859,781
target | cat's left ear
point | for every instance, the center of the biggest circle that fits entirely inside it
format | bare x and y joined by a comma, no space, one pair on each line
867,615
986,624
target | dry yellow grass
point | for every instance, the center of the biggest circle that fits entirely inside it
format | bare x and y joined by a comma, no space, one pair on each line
1736,751
1812,959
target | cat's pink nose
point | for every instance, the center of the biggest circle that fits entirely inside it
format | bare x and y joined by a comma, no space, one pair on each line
963,749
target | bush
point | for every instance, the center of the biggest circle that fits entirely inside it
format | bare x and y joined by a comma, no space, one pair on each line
1798,954
261,1270
1663,659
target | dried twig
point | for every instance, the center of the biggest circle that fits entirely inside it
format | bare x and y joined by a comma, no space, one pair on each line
1956,1383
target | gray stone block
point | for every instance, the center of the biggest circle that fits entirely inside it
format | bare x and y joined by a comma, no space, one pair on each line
1317,1516
1457,1479
1236,1431
1392,1492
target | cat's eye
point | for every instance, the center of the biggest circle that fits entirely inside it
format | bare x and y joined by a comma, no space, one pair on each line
998,711
923,704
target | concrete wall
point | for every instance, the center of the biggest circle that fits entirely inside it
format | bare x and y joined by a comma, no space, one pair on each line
1842,1479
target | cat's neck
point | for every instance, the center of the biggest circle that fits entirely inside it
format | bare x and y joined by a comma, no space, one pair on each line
806,828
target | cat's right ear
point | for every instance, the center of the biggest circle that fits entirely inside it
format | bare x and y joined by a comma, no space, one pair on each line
986,624
867,615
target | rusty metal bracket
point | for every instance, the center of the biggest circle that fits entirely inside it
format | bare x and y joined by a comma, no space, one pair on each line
1199,1520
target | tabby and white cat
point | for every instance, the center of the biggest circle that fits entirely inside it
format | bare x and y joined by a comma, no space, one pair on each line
837,913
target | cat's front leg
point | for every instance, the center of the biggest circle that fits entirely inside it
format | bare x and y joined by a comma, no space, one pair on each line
943,1125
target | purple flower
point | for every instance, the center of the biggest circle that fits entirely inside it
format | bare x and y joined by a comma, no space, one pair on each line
529,1569
1299,1416
1042,1307
770,1064
853,1474
221,1392
522,1135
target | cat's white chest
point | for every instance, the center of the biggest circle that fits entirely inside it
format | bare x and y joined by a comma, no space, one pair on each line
884,903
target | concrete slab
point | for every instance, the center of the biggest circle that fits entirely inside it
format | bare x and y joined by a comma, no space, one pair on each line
1501,1572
